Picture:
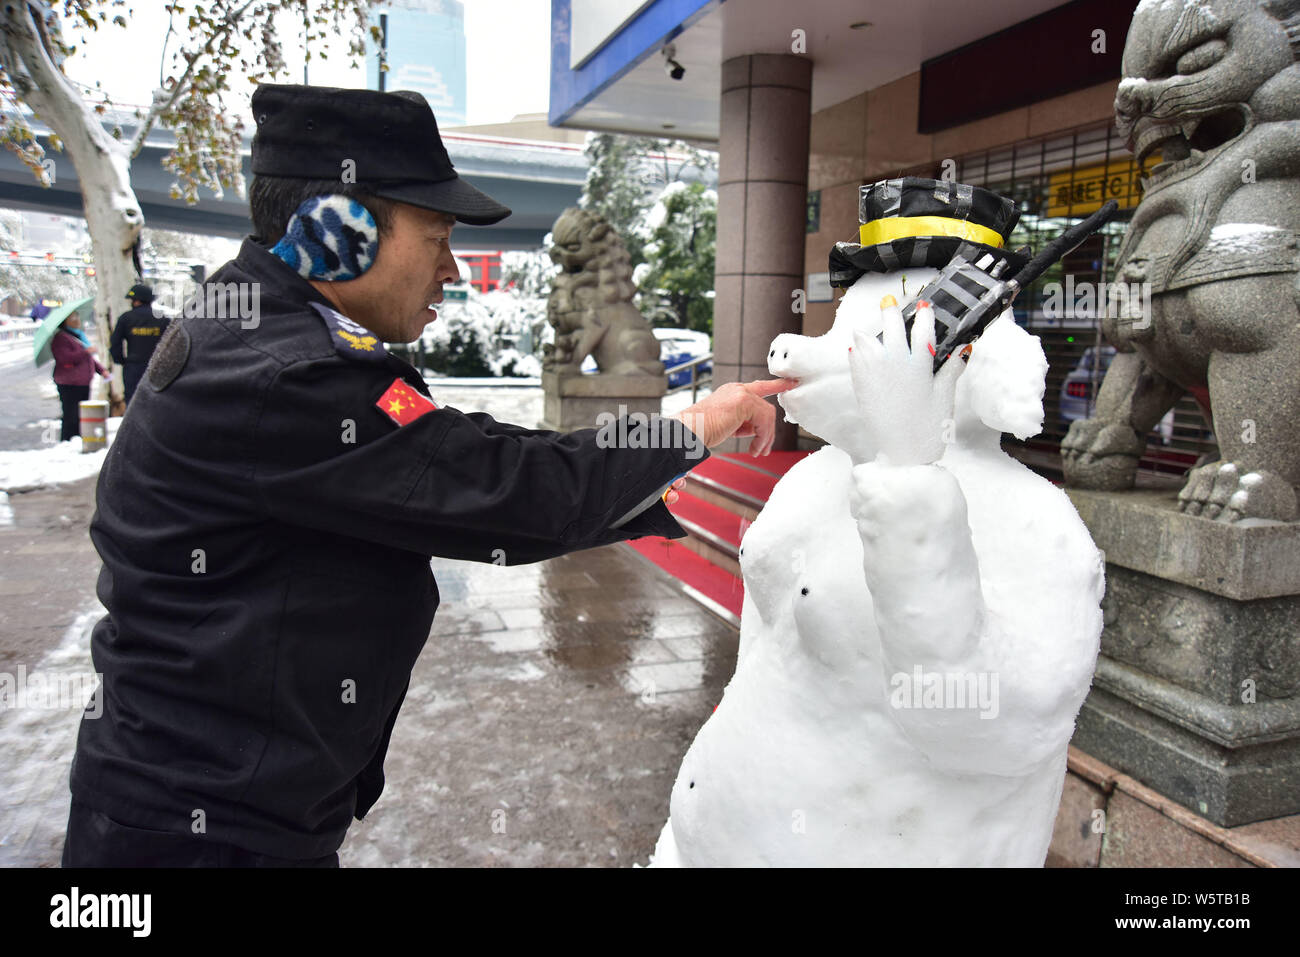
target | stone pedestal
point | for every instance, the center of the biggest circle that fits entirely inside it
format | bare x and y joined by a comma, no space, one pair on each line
1197,691
575,401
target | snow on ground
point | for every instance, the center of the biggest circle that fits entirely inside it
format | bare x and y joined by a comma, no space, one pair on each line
62,462
38,742
15,351
518,406
65,462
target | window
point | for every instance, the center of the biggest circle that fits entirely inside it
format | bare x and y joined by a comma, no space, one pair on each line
484,270
1057,181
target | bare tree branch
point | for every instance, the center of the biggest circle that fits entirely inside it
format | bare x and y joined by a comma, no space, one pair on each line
161,105
39,81
162,58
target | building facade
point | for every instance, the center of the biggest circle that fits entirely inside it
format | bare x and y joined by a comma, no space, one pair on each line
807,105
424,48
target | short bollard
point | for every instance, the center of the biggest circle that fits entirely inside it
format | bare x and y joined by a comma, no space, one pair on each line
94,425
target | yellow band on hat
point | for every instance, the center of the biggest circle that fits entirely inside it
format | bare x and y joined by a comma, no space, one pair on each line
901,227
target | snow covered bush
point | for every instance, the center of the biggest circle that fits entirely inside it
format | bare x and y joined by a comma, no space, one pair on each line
680,239
490,334
528,272
511,362
458,343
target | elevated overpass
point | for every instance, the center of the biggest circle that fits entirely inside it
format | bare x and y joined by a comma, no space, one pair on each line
537,180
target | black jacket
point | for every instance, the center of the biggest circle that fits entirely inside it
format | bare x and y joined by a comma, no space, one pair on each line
266,529
141,331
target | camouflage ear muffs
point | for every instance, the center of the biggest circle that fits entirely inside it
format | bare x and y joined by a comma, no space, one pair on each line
329,237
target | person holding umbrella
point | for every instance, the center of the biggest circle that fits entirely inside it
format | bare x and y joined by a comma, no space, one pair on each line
75,365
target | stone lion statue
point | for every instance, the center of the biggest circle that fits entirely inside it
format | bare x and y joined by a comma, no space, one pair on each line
591,302
1215,87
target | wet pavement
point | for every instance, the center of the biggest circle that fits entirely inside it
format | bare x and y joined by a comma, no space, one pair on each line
546,719
547,716
48,570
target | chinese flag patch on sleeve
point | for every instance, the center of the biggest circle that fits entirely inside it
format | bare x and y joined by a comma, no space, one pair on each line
403,404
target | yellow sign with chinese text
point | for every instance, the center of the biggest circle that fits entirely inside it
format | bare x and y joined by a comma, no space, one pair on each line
1081,191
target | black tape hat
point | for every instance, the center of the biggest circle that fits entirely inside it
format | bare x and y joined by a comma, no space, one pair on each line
914,222
388,142
142,292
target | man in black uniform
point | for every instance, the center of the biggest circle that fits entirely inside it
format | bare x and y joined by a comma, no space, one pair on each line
268,510
136,335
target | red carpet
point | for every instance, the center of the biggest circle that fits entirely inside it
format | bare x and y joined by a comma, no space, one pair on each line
753,478
778,462
690,569
714,519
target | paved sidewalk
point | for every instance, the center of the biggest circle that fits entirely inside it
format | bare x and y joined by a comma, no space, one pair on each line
545,723
547,716
47,607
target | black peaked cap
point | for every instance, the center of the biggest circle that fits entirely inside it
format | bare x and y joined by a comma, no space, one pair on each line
391,140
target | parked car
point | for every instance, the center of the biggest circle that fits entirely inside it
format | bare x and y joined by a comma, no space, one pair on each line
1079,402
1077,397
681,345
675,347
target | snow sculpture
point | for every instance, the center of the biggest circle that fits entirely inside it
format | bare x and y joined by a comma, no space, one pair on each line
921,617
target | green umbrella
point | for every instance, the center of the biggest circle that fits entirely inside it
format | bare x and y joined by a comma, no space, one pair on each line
45,334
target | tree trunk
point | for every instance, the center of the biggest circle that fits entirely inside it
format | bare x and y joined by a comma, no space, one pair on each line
103,164
680,301
114,221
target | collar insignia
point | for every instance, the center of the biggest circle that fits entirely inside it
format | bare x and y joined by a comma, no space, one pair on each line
351,339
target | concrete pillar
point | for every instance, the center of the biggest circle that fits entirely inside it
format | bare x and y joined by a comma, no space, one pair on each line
762,214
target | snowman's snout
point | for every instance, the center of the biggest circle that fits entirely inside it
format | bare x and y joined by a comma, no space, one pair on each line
790,356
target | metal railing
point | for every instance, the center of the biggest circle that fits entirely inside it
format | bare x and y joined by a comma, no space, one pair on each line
14,331
696,379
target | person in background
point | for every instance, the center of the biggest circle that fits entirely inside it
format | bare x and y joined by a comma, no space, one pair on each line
75,366
135,336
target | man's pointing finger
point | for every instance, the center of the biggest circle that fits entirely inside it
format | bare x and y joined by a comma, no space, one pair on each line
770,386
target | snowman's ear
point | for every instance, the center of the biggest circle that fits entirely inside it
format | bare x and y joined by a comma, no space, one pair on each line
1006,379
1007,337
